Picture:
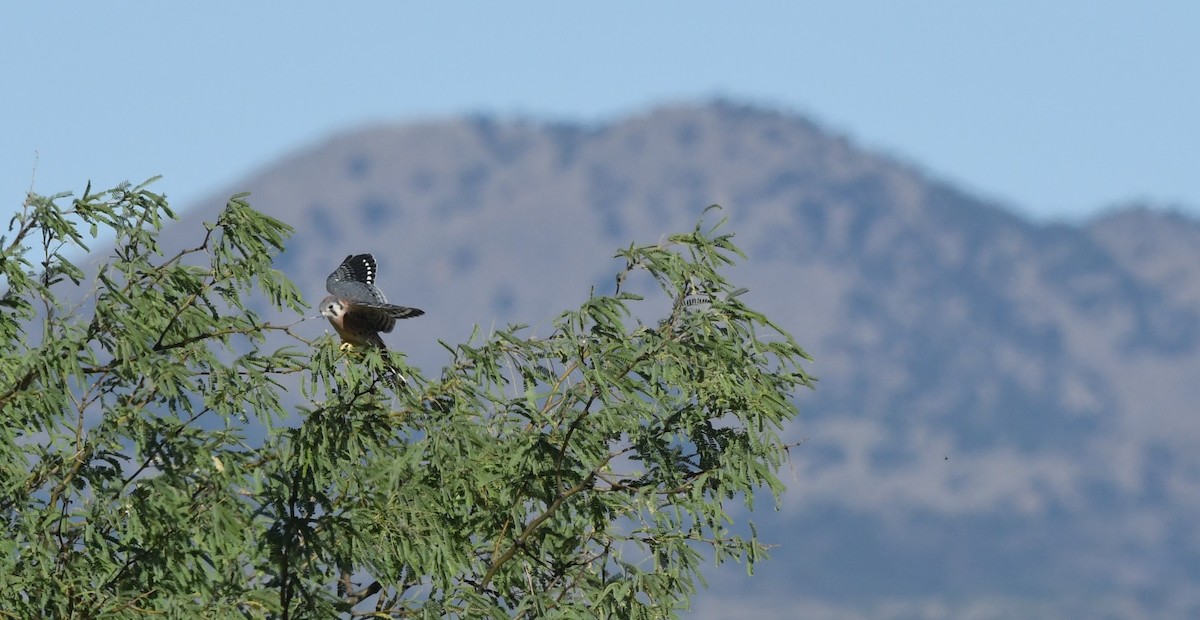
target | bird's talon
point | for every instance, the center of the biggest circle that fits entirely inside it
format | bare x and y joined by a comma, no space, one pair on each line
346,347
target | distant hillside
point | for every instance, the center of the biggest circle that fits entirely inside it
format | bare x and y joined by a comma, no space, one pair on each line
1005,424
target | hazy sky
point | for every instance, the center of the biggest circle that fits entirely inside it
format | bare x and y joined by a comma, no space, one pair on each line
1056,109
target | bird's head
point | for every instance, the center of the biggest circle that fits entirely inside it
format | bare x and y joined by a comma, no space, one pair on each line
332,307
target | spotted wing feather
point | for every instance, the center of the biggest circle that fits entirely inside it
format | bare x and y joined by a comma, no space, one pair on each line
354,280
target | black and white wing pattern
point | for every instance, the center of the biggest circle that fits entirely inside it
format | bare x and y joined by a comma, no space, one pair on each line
354,280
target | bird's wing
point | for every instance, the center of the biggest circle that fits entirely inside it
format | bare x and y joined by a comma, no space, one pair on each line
354,280
355,268
366,316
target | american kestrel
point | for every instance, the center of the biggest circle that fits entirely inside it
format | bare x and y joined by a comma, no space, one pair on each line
355,308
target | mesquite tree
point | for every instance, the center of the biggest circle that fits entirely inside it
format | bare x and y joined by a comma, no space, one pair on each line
167,451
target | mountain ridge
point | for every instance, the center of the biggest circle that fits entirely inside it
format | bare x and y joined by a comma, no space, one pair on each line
1026,387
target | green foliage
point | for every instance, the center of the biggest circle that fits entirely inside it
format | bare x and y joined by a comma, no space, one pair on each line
156,460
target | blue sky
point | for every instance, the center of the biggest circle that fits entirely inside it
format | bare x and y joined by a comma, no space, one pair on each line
1058,110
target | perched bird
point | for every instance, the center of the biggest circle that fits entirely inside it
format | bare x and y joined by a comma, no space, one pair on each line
356,308
697,303
696,299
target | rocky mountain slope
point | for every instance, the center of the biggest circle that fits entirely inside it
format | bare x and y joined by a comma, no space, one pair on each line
1006,422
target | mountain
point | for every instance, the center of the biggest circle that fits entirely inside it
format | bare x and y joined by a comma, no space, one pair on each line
1005,424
